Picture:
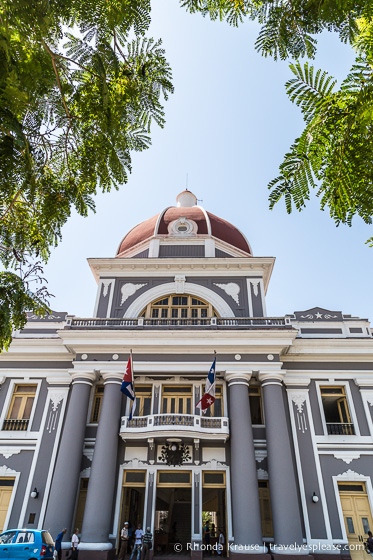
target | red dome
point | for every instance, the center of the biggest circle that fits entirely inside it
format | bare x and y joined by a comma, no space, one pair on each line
207,224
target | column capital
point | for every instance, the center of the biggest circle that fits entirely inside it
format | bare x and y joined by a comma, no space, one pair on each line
273,377
87,377
297,381
363,383
112,377
234,377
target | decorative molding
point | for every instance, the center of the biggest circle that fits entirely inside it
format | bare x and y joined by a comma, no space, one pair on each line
351,476
89,454
370,399
56,397
347,456
180,283
5,471
9,451
255,285
231,289
262,474
213,465
260,455
85,473
319,315
129,289
105,285
298,399
134,464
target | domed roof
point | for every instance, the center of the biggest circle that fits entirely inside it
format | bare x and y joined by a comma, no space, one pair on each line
206,224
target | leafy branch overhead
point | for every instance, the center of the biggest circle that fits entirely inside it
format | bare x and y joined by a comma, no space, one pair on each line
77,96
334,153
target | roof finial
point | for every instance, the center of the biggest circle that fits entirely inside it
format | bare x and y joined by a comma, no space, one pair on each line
186,199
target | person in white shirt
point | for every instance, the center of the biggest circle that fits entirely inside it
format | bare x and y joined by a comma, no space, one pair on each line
221,541
139,533
75,544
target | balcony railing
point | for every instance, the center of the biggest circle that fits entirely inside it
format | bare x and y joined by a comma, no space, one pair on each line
163,423
208,323
340,429
15,425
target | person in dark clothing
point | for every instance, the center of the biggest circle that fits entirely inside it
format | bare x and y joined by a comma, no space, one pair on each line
370,543
147,544
58,543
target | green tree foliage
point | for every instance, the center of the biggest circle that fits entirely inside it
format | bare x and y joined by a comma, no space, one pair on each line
80,86
334,154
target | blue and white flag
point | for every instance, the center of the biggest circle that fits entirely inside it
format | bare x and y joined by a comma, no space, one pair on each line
127,386
209,397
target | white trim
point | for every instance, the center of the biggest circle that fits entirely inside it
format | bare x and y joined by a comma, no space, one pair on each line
271,383
23,381
230,383
53,458
168,288
351,476
7,472
77,381
350,404
249,298
366,403
111,296
35,458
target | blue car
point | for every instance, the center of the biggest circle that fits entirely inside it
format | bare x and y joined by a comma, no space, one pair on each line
26,544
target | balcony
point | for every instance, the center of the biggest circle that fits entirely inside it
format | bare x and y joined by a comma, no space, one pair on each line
15,425
340,429
208,323
186,425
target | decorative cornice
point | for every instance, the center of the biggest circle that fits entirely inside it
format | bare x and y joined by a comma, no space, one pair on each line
347,456
5,471
262,474
242,266
9,451
85,473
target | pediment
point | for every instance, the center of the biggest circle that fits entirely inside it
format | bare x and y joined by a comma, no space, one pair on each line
318,314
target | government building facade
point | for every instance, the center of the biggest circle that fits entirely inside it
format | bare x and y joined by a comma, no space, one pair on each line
281,463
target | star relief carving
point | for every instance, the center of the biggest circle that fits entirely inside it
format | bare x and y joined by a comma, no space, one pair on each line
318,315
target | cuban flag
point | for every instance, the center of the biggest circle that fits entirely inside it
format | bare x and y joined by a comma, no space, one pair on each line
209,397
127,387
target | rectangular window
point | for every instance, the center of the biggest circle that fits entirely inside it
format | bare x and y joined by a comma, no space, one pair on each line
170,478
143,400
97,402
176,400
256,406
336,411
20,408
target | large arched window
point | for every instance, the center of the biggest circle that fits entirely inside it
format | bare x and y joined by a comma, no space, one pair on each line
178,306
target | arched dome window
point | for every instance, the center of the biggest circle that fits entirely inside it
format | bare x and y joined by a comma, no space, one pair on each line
179,306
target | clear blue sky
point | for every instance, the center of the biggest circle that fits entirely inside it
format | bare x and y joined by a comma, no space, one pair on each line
228,126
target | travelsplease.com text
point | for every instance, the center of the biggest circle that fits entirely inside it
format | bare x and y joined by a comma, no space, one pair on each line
314,547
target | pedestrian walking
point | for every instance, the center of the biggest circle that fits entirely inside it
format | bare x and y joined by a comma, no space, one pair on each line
58,544
139,534
147,544
74,545
124,542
